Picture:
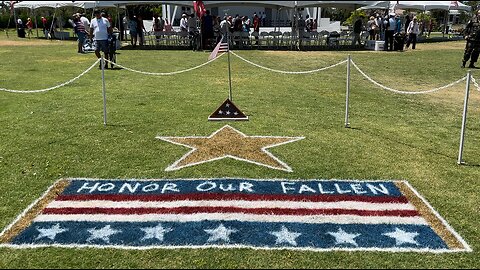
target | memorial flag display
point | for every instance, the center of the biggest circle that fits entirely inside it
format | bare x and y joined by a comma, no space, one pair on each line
227,111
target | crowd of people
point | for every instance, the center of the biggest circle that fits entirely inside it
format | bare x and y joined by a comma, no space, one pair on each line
202,32
389,29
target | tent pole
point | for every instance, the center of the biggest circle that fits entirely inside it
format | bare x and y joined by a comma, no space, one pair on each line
445,25
119,21
36,24
8,24
15,18
53,20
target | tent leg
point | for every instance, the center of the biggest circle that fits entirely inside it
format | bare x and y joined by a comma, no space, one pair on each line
119,21
36,24
53,22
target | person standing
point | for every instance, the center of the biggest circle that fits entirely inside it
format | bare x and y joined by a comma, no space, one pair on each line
390,27
141,31
371,26
85,21
256,23
80,31
193,33
132,25
29,27
225,26
184,23
125,27
44,24
412,32
380,28
407,22
472,35
20,28
357,30
207,28
100,28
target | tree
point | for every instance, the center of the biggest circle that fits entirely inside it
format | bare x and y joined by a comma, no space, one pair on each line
473,4
354,16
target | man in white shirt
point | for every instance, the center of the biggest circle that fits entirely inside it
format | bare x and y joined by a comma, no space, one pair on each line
390,26
412,31
184,23
85,22
100,28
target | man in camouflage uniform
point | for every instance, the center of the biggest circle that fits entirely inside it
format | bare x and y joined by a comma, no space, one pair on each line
472,35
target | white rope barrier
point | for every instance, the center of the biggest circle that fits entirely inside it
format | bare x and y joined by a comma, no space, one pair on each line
407,92
289,72
475,83
164,73
54,87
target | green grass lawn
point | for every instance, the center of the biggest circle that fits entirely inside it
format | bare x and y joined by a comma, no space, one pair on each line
47,136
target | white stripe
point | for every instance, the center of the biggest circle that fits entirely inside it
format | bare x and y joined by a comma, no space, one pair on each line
233,246
234,203
339,219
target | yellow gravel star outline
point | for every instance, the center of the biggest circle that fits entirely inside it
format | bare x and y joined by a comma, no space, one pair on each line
229,142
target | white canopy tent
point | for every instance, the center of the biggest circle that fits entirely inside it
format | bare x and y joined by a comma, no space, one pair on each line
60,4
340,4
419,5
33,5
430,5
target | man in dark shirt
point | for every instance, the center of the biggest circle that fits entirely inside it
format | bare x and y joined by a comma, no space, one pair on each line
357,29
207,28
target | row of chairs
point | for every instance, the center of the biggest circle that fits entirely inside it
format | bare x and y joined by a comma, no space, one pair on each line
270,40
308,39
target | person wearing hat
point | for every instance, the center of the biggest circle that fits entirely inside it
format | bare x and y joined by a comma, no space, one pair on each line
472,35
80,31
100,28
29,27
184,23
412,32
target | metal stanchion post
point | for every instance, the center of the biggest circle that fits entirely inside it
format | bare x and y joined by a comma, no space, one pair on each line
102,63
464,118
347,124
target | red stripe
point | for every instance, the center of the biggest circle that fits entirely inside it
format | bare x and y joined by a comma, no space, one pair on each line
258,211
232,197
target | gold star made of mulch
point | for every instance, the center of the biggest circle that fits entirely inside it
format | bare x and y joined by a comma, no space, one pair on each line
229,142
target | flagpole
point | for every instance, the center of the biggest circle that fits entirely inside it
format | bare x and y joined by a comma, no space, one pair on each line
229,71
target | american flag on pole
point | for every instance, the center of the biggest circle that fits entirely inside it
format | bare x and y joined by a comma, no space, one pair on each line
222,46
199,8
318,215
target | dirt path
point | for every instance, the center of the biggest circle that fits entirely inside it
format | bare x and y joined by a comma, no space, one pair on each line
31,42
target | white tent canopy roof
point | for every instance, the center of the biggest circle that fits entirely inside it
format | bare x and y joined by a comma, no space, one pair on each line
340,3
59,4
430,5
212,3
289,4
420,5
